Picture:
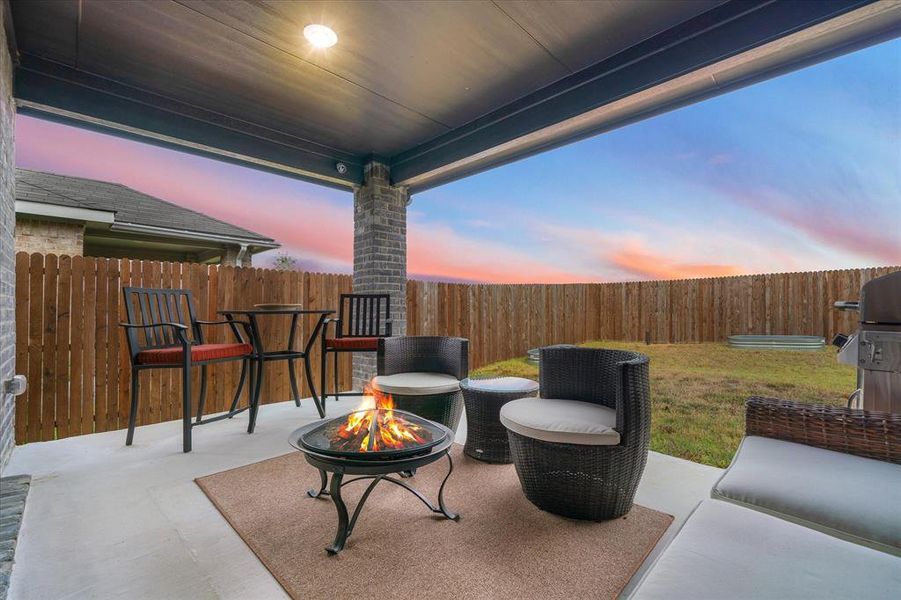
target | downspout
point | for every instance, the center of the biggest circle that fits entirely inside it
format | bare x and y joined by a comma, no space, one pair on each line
239,260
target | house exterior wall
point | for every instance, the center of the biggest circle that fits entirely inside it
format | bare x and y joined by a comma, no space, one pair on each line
7,251
380,253
49,237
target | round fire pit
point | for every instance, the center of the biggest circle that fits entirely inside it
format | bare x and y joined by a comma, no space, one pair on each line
374,434
373,445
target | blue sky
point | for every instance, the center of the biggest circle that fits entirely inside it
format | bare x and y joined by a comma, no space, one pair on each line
768,178
775,177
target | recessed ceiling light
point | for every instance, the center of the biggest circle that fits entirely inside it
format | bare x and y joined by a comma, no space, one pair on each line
320,35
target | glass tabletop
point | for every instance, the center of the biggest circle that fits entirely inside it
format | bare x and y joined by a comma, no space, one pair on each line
500,384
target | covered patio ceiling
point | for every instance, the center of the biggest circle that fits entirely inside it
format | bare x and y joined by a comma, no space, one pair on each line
435,90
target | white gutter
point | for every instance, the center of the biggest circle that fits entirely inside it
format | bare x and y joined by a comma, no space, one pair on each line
192,235
70,213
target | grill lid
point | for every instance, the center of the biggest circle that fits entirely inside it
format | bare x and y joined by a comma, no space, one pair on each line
880,300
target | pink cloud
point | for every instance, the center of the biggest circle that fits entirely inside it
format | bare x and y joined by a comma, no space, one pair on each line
824,221
441,252
650,265
623,256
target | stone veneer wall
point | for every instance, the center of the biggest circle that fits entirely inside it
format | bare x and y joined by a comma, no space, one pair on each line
49,237
7,251
380,252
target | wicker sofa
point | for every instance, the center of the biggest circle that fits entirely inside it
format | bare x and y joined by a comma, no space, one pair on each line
809,508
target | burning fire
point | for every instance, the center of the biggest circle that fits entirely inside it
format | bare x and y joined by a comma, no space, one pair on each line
389,431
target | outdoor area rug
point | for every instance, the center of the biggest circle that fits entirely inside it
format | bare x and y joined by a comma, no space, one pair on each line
502,547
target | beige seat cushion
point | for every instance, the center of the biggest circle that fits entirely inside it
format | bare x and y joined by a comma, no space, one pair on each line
561,421
858,499
416,384
727,551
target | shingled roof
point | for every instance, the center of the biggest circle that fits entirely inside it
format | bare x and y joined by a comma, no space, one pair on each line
130,206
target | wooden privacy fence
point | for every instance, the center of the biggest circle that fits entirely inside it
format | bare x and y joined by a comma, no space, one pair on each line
70,346
503,321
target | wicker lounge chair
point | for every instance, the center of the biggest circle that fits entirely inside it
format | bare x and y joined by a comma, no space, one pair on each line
423,375
580,449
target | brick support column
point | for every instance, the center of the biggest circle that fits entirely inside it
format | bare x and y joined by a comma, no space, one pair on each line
380,252
229,257
7,257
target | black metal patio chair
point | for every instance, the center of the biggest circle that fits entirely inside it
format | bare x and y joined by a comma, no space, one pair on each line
362,320
163,332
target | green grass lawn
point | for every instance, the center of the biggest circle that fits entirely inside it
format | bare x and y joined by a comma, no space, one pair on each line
698,390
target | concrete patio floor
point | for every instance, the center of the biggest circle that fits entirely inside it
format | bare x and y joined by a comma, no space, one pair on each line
106,521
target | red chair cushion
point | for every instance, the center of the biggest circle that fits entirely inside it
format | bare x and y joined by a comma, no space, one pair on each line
165,356
353,343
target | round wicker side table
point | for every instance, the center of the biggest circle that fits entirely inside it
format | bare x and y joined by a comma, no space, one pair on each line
486,438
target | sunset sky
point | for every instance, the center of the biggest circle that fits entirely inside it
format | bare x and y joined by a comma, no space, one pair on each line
798,173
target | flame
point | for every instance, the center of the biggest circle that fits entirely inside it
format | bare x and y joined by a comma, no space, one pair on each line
388,431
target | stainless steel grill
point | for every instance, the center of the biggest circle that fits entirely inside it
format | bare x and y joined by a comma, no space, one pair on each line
876,346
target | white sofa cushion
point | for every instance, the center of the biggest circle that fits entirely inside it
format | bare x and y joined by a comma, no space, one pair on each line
561,421
854,498
416,384
727,551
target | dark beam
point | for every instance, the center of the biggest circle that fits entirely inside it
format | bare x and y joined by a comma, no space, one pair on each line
57,92
725,31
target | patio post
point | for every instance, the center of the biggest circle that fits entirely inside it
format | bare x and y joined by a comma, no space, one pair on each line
380,251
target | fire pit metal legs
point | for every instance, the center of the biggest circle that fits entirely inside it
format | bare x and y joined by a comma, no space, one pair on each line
323,486
343,529
346,525
396,465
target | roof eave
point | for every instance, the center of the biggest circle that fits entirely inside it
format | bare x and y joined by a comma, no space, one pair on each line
193,235
445,160
66,213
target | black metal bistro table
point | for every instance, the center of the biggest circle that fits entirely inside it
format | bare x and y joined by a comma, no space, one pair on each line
261,355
